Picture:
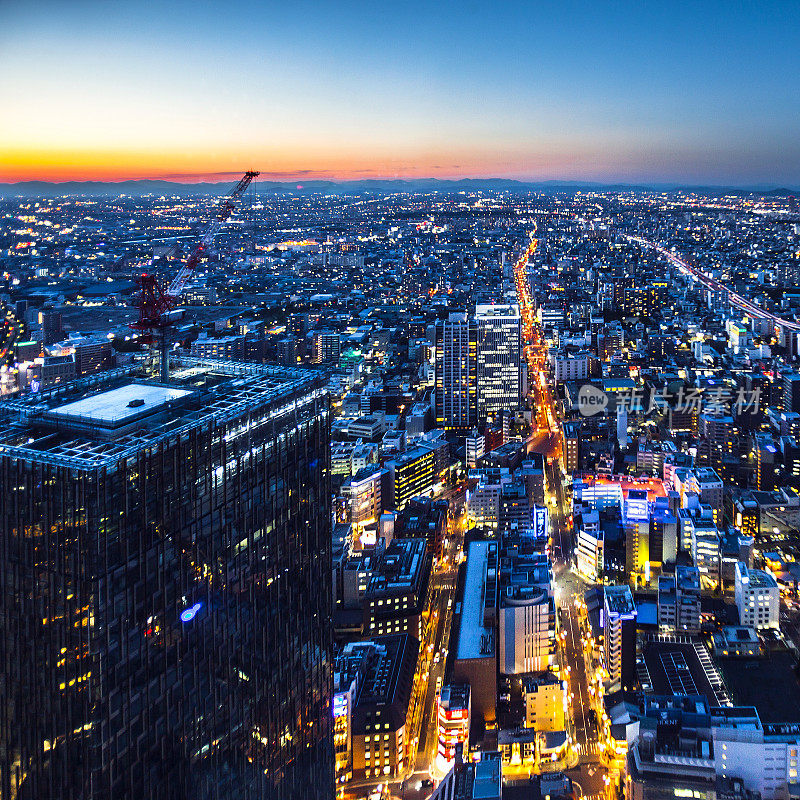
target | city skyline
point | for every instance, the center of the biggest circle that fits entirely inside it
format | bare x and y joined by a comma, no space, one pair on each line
344,91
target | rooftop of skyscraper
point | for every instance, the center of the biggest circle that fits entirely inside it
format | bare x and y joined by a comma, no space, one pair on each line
93,422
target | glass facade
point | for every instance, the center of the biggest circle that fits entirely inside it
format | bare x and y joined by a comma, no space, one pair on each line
165,597
498,369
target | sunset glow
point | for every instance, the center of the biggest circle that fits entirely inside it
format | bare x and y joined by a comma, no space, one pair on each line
110,91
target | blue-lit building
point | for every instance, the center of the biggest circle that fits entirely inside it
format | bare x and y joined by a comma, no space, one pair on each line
165,594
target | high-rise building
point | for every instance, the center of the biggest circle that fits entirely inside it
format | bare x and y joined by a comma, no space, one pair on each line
52,331
757,597
456,404
165,597
411,474
327,347
499,337
478,365
475,448
398,598
590,551
383,713
570,445
791,391
619,635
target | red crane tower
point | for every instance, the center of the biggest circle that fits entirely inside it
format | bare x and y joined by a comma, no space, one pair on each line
157,305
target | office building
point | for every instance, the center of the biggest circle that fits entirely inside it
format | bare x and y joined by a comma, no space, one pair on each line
92,354
685,747
327,347
475,620
499,346
757,598
619,636
570,445
483,502
791,392
287,351
456,362
736,640
590,549
381,719
366,495
572,367
397,599
475,445
705,548
411,474
350,668
167,595
230,347
52,330
707,485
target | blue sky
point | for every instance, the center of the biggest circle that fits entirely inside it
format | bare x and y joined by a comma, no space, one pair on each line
701,92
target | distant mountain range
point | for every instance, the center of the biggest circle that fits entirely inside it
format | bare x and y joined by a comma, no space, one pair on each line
138,188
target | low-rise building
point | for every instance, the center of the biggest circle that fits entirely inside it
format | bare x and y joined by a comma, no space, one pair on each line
736,640
545,702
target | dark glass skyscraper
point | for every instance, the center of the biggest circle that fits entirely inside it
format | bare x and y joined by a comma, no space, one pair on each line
165,592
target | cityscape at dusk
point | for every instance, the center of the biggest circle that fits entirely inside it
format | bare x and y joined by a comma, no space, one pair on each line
397,400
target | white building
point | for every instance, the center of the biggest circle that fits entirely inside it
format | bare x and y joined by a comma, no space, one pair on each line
527,630
483,502
619,635
705,548
757,598
705,482
545,702
571,367
590,551
475,448
366,498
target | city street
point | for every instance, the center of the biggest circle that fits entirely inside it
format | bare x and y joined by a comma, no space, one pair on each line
546,439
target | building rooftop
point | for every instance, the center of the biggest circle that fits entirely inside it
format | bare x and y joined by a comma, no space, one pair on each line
455,696
118,405
675,668
619,600
90,423
474,638
402,567
768,684
756,578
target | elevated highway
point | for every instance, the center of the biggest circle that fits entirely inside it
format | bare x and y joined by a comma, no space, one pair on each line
710,283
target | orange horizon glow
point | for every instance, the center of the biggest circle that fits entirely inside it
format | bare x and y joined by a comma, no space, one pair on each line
27,164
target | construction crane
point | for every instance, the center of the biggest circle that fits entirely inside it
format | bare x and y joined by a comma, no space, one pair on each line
157,306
